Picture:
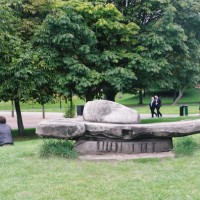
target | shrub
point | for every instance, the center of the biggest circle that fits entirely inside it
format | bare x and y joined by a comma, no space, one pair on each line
60,148
69,112
185,145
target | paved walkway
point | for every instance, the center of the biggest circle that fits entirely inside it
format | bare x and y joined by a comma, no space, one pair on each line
31,119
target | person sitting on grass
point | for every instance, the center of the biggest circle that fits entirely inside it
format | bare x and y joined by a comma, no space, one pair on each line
5,132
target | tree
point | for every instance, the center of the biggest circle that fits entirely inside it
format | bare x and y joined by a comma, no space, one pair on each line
169,35
116,46
186,62
93,48
11,77
15,35
71,44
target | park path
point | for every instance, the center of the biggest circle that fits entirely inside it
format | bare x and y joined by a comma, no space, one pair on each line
31,119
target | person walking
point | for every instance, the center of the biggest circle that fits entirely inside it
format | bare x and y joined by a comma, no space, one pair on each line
152,106
158,105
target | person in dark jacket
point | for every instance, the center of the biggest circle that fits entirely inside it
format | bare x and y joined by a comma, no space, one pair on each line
5,132
158,105
152,106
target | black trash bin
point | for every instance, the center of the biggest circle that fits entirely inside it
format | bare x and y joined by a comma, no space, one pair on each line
186,110
80,110
181,110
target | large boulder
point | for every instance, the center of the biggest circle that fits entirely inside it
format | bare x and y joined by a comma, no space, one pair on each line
109,112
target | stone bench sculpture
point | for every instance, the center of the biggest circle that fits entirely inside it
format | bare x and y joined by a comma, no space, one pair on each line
108,127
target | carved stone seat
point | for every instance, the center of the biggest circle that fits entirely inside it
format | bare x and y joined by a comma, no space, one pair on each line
94,138
100,138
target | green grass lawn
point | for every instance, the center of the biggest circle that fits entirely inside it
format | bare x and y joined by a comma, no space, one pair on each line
168,109
24,175
168,119
191,97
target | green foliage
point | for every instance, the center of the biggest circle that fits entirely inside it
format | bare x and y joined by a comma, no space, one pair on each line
60,148
169,42
70,111
185,145
70,44
92,45
19,19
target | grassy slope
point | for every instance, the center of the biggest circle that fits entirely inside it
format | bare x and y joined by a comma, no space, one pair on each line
26,176
191,97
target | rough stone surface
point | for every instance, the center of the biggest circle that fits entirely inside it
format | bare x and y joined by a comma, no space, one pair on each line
109,112
61,128
74,128
149,145
133,131
94,138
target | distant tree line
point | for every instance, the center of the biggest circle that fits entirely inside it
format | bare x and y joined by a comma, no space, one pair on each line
96,48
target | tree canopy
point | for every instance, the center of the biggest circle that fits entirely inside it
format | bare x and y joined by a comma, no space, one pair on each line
96,47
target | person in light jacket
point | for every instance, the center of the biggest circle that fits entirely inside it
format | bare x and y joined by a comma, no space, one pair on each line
152,107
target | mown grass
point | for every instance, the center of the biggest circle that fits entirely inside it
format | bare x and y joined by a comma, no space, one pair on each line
168,119
190,97
25,175
168,109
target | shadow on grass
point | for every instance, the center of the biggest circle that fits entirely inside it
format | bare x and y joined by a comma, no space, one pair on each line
147,160
29,134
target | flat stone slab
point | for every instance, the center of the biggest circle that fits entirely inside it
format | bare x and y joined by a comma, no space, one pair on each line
133,131
61,128
77,127
124,157
109,112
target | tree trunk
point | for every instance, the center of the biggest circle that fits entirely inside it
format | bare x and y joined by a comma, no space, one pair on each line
180,94
175,95
126,3
60,103
13,108
43,111
140,97
19,118
110,94
89,97
144,92
71,101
